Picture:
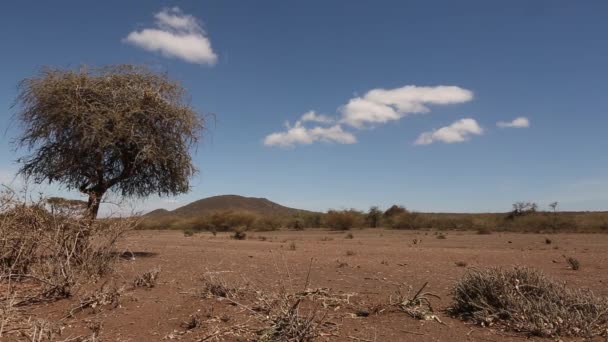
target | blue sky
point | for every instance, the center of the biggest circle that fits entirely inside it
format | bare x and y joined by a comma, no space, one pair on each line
372,72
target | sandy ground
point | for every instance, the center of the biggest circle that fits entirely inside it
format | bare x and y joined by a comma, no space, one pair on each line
362,272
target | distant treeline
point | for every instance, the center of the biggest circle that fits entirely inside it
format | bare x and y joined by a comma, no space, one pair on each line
523,218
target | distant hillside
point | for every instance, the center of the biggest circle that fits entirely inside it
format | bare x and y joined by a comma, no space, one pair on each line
260,206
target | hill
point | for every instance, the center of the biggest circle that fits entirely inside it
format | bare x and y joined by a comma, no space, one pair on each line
203,206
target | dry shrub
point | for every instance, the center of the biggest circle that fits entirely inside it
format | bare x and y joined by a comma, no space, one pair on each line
525,300
53,251
239,234
573,263
147,279
417,305
216,286
288,324
343,220
267,223
107,295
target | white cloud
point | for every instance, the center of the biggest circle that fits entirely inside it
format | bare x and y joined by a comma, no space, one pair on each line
458,131
300,135
314,117
520,122
383,105
375,107
176,35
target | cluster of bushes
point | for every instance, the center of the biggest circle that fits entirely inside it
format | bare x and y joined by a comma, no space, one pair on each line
231,220
524,218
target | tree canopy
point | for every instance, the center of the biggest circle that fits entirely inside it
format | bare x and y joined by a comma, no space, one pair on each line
122,128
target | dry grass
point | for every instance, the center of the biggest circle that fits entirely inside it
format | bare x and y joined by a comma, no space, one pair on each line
417,305
525,300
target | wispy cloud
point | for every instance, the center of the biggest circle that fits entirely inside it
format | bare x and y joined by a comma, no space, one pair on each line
299,134
377,106
457,132
314,117
520,122
384,105
176,35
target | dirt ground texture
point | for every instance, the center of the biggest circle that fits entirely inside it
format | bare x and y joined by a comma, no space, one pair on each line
360,273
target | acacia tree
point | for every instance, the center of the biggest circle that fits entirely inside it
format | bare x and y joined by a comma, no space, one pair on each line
119,128
373,217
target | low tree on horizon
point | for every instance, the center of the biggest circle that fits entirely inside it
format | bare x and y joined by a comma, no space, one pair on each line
119,128
373,217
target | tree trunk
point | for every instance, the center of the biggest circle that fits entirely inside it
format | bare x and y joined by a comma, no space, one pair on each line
93,204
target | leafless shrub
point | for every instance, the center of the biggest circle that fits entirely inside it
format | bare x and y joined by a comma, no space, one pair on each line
288,324
525,300
54,252
193,322
292,246
417,306
147,279
573,263
239,234
215,286
107,295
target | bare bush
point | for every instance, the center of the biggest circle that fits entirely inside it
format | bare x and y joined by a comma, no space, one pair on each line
239,234
343,220
147,279
525,300
288,324
215,286
573,263
47,249
418,305
107,295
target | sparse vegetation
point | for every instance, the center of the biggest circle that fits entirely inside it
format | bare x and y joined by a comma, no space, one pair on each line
342,220
147,279
525,300
239,234
461,263
573,263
